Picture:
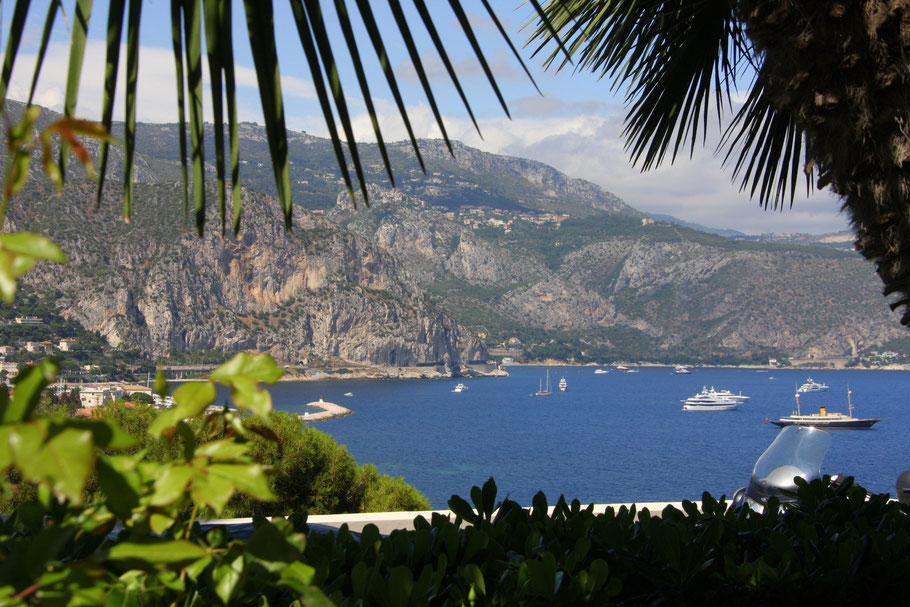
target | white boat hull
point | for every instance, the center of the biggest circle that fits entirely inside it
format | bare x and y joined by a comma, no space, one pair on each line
704,407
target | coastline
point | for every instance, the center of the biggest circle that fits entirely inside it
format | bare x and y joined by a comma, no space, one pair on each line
322,373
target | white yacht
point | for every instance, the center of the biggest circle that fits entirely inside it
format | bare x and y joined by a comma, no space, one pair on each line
600,371
460,387
812,386
563,386
682,370
726,394
712,400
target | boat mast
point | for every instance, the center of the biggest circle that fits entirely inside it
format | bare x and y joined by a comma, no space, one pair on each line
849,402
797,403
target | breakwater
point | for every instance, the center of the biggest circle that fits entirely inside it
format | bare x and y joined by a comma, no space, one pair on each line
329,411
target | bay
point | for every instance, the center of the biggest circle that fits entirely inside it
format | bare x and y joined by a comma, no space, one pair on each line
615,437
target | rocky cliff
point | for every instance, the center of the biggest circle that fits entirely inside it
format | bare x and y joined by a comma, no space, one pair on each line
317,291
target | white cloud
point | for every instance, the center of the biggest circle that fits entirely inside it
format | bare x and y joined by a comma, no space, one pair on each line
156,90
588,146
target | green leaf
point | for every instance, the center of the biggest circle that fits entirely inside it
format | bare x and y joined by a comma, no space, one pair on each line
269,546
226,577
28,386
155,554
401,582
474,576
106,433
259,367
32,245
224,449
192,398
6,455
462,509
299,576
46,546
171,484
161,387
242,373
120,482
249,478
195,569
212,490
18,253
61,460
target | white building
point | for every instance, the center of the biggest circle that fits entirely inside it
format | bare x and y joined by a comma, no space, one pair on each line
12,369
94,395
66,345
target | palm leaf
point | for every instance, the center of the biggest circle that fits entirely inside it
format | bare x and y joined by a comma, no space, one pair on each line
52,9
398,13
376,38
508,40
177,45
309,51
17,26
318,29
116,12
472,39
212,11
188,19
74,71
261,29
129,127
770,150
351,40
192,27
230,91
440,48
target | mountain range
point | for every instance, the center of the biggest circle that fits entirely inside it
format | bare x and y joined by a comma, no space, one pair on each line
481,251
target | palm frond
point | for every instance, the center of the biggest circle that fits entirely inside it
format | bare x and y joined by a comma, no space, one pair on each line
74,71
673,59
195,20
770,148
52,8
116,11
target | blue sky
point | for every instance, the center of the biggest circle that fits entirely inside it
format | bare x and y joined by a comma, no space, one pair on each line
574,126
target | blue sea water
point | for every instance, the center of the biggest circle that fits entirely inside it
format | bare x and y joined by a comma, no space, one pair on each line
614,437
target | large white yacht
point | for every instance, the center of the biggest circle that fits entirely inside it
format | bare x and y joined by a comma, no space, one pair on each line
682,370
563,386
812,386
712,400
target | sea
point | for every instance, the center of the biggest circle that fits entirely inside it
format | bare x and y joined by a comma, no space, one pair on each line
613,437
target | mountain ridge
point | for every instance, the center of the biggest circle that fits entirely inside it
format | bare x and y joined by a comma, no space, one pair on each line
508,247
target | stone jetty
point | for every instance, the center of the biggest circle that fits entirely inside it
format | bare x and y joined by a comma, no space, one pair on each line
329,411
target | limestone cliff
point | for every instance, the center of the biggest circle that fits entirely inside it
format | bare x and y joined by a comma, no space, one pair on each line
316,291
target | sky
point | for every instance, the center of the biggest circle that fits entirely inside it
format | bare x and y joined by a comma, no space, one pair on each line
574,126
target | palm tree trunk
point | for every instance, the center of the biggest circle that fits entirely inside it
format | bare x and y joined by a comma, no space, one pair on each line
842,69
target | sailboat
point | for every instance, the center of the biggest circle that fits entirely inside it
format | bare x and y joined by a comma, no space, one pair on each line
544,390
